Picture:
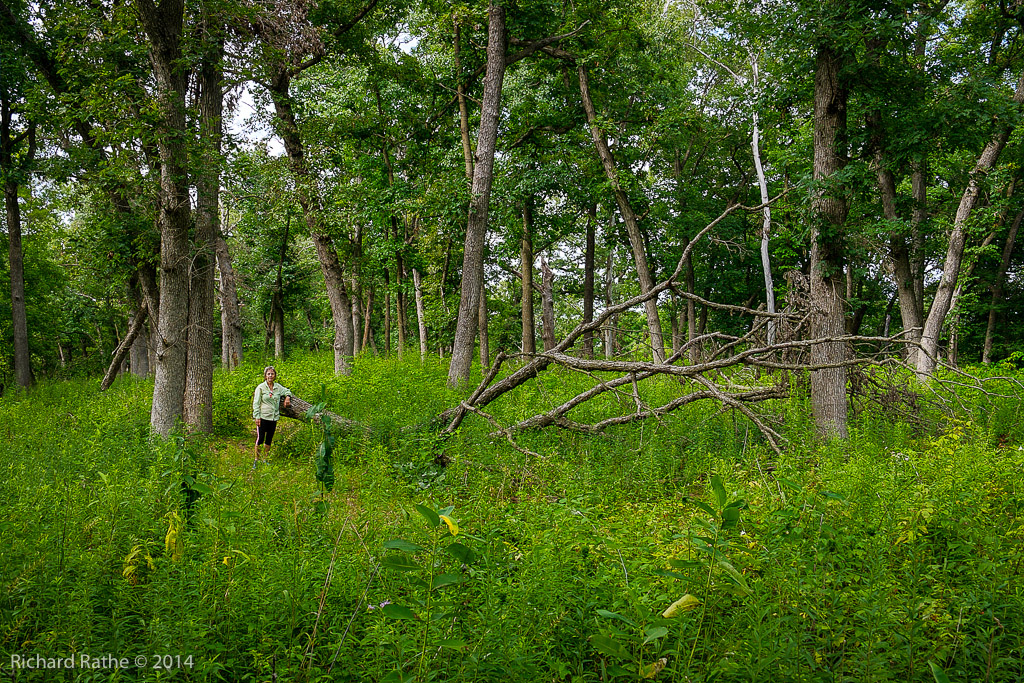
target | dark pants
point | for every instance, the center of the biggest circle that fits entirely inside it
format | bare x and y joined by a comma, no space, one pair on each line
265,432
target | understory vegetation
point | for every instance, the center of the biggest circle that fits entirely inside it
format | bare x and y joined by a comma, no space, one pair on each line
682,549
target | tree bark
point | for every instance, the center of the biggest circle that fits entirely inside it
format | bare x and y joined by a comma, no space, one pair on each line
198,405
230,317
588,279
124,349
957,242
22,368
164,25
529,343
547,298
476,229
997,288
421,316
138,358
829,209
766,225
628,216
485,347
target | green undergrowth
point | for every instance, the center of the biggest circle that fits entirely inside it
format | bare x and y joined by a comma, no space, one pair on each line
682,549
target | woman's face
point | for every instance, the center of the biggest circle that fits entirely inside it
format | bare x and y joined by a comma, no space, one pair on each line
270,375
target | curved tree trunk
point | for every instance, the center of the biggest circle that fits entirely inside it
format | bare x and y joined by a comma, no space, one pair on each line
628,217
476,229
309,199
943,300
997,288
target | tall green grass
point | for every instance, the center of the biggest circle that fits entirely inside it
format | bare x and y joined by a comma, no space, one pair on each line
896,555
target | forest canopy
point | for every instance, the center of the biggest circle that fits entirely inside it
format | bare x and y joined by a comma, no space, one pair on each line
669,183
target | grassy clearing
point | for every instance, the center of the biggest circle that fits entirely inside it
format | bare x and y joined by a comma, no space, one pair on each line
895,556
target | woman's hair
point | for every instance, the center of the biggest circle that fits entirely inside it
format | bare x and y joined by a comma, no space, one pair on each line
268,369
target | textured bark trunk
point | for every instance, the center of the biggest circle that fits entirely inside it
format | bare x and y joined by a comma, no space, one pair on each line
828,207
421,315
942,302
138,355
367,319
481,324
22,367
629,218
19,317
766,224
997,288
123,349
309,199
230,317
198,406
547,298
588,279
164,27
476,229
609,329
529,343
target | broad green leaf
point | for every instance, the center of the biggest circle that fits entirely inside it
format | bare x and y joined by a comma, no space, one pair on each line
447,580
462,553
402,544
683,604
428,514
608,647
614,615
789,484
398,612
733,575
704,506
446,510
654,633
399,563
938,674
200,487
719,489
450,523
452,643
730,517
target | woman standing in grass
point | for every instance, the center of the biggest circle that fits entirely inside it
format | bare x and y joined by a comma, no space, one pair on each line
266,410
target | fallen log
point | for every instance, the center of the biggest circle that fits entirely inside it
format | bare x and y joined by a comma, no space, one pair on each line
297,410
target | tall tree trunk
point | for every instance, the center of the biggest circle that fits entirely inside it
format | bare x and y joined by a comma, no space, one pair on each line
309,199
529,343
421,316
230,317
628,216
943,300
164,26
766,225
22,368
276,303
367,319
588,279
609,329
997,288
547,298
828,207
198,405
476,229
